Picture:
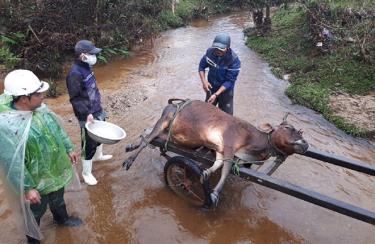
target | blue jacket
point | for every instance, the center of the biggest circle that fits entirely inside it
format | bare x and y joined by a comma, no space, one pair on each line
83,91
223,71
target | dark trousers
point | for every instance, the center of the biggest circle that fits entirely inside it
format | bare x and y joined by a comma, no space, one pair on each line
88,145
56,203
224,101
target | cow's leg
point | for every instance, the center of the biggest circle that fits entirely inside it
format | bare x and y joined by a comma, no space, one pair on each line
217,164
161,125
227,166
131,147
219,186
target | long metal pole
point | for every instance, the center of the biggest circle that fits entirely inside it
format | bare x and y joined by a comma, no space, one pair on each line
340,161
308,195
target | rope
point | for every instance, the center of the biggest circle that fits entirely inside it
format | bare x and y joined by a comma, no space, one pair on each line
179,106
236,167
269,138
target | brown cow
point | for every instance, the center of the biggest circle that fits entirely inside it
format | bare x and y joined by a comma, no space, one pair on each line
202,124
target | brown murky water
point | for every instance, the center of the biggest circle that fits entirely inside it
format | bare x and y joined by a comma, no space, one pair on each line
136,207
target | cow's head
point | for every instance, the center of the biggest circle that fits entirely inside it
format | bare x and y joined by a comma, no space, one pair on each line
287,140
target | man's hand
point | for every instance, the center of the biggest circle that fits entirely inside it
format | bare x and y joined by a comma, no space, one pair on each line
212,99
206,86
73,157
90,118
33,196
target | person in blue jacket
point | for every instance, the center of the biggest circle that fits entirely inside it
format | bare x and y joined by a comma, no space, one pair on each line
86,102
223,68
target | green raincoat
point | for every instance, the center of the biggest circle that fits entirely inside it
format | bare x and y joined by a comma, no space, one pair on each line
34,149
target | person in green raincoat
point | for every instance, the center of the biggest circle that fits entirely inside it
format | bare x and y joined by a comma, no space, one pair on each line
37,153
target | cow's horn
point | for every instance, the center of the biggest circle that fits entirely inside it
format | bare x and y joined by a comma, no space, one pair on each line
285,117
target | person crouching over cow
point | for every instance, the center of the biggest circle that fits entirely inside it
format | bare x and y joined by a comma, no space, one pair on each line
86,101
224,67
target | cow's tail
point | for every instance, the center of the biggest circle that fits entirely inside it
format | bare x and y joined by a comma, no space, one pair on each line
172,100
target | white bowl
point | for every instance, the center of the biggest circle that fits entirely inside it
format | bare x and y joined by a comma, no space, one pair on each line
105,132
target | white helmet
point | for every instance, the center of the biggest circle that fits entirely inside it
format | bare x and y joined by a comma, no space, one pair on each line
23,82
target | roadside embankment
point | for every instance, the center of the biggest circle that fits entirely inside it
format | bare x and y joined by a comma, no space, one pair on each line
327,52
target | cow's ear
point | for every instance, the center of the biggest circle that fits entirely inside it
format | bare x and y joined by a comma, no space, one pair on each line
267,128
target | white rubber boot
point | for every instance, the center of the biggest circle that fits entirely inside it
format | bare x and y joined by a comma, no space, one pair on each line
86,173
98,156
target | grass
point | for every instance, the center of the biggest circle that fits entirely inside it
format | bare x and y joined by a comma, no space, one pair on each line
350,3
314,76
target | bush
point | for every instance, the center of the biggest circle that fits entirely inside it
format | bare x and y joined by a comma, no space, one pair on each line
52,27
185,10
8,59
52,91
48,29
168,19
108,53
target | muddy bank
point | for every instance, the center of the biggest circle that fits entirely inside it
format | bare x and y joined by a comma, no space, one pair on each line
358,110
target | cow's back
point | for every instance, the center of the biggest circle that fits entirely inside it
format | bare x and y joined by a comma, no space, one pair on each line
200,123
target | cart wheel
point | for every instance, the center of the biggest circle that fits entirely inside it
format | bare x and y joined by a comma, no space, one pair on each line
182,175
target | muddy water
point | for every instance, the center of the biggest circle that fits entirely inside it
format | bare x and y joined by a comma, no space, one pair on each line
135,206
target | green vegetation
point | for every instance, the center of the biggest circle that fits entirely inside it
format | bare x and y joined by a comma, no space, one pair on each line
108,53
40,35
185,11
344,63
7,58
10,59
167,19
53,88
357,4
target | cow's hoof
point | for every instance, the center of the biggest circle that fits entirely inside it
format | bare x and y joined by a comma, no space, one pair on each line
214,198
129,148
204,177
205,208
127,164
